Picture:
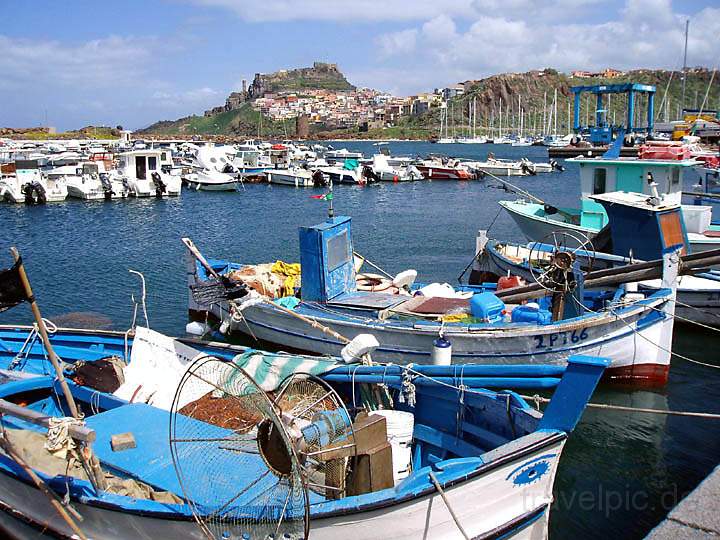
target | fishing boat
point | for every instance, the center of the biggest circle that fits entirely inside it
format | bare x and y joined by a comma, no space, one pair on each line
698,296
142,172
480,324
430,458
650,176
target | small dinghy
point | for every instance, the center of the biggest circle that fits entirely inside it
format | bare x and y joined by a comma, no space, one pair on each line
540,325
216,442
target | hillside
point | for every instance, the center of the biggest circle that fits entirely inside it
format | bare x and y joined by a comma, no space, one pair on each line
535,86
243,121
321,76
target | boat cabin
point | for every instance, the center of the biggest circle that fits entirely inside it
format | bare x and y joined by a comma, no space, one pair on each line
141,164
602,175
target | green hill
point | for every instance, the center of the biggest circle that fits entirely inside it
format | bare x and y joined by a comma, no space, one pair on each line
243,121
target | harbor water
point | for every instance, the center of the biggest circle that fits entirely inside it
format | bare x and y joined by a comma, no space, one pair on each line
621,472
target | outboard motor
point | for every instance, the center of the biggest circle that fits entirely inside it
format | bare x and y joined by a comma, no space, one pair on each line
319,179
34,193
160,186
527,169
107,186
369,174
556,166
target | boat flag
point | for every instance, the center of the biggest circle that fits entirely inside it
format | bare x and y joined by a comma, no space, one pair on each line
326,197
12,291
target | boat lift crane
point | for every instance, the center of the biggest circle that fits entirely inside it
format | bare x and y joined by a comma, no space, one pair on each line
602,132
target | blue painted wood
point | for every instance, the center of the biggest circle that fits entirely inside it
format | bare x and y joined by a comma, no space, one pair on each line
445,441
572,394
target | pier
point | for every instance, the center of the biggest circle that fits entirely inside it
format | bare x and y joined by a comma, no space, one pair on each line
696,516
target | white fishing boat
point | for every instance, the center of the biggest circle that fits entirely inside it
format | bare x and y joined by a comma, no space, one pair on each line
141,171
502,167
340,155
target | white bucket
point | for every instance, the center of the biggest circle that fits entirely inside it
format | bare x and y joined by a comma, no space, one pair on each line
400,431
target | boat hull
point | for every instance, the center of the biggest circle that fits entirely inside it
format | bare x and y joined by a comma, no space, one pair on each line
630,341
515,509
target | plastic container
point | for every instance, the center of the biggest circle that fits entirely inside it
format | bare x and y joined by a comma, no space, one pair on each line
508,282
487,306
441,354
400,427
531,314
697,218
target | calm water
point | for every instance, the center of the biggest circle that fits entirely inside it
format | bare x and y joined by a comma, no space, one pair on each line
620,472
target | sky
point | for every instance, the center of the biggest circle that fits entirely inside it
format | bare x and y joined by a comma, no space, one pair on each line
74,63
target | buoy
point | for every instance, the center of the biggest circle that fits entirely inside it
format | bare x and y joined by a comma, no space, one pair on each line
441,354
361,345
395,178
196,328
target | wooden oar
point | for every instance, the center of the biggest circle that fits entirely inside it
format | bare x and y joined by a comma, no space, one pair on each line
97,478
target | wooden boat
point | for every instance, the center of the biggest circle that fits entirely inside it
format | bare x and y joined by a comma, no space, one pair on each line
601,175
634,331
477,463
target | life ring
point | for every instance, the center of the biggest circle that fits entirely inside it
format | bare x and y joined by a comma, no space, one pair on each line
372,282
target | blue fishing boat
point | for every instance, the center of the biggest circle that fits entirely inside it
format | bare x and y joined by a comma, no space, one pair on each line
411,322
444,458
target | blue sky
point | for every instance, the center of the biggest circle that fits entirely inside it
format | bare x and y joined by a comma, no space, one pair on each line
135,62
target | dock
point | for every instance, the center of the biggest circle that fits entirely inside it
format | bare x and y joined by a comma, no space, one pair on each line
588,151
696,517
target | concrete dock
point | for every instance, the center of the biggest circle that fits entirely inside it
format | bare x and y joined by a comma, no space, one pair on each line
696,517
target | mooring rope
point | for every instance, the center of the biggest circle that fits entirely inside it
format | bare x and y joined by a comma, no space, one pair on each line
539,399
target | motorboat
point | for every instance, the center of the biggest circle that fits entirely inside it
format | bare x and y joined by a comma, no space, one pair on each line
385,172
295,176
90,181
443,168
213,169
24,182
141,171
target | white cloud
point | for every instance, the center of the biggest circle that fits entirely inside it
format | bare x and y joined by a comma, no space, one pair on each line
402,42
192,99
644,33
97,63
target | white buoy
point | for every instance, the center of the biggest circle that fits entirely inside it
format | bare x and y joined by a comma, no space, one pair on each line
197,328
441,354
225,327
360,345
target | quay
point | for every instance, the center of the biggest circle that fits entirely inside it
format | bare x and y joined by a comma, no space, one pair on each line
696,517
564,152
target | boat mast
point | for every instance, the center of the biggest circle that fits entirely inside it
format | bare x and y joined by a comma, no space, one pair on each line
687,28
555,114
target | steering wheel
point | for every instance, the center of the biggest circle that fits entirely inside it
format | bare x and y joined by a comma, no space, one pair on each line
550,270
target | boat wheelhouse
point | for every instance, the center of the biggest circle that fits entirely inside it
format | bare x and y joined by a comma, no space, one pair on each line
146,173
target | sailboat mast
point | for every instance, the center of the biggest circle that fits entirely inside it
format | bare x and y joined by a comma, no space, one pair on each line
684,80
